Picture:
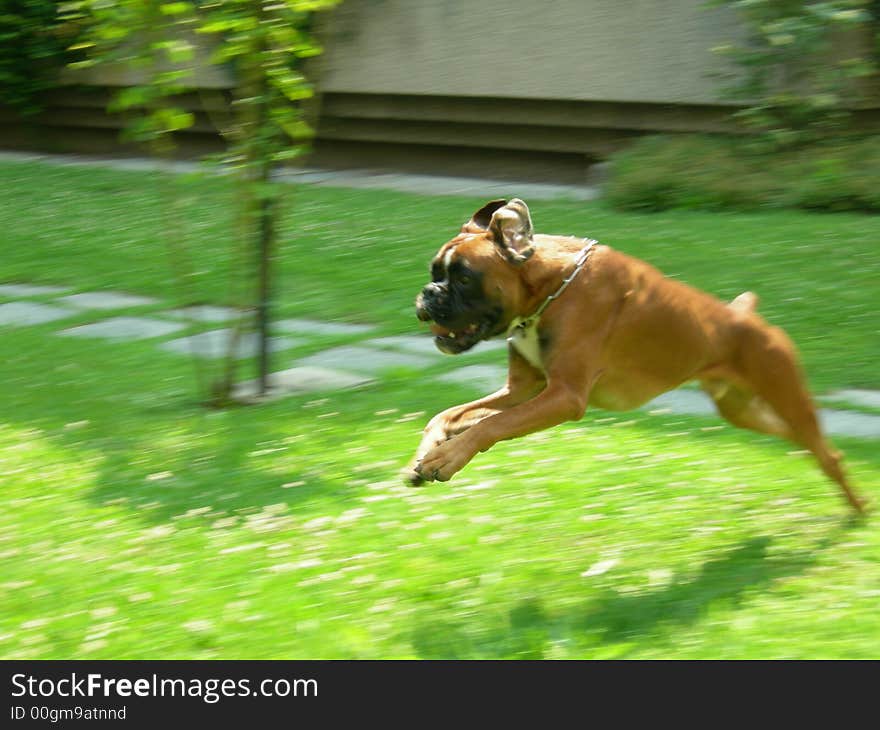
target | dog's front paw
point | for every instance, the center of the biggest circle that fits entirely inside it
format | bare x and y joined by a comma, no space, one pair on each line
412,477
444,460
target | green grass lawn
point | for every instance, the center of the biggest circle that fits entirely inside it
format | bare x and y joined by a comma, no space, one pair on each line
137,524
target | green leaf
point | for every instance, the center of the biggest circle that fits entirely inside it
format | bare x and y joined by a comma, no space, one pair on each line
174,119
177,8
297,130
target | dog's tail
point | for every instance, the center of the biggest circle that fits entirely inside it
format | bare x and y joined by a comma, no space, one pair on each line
745,302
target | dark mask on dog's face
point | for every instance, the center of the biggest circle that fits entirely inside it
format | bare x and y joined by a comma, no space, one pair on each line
474,276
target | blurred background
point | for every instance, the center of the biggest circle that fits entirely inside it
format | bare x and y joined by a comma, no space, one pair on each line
216,217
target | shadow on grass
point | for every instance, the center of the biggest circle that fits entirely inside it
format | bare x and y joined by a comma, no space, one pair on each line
144,441
724,582
217,470
612,624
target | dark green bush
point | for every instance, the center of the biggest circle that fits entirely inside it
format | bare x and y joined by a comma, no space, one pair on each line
33,49
715,172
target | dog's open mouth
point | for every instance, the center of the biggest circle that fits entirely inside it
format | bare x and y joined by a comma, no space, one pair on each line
453,341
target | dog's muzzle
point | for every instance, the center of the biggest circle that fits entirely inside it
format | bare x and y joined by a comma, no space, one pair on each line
452,333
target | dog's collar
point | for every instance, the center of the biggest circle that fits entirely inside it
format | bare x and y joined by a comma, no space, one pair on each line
579,262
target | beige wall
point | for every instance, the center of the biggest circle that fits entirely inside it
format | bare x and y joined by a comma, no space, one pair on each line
587,50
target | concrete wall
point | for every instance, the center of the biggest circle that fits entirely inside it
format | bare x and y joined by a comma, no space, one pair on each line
515,88
586,50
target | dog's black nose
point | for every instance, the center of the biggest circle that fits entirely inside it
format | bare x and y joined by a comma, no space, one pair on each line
430,303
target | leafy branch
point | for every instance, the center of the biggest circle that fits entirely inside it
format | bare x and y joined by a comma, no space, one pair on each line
261,45
803,66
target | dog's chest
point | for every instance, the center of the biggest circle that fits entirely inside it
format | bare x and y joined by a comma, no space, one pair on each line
524,339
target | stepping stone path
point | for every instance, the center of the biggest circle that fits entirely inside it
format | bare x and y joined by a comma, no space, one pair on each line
849,423
488,378
302,380
834,422
685,401
342,366
123,328
364,360
316,327
22,314
424,345
867,398
407,343
106,300
28,290
213,344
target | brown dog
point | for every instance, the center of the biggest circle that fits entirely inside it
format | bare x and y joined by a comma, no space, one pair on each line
588,325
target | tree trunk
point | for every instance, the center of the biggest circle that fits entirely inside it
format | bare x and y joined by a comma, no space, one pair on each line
265,251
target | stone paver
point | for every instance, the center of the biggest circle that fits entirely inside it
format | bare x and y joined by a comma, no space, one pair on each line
849,423
486,378
23,314
204,313
29,290
348,366
106,300
123,329
317,327
834,422
364,360
859,397
684,401
499,344
302,380
213,344
424,345
406,343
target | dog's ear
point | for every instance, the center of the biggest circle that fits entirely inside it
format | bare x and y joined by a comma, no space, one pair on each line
511,229
483,217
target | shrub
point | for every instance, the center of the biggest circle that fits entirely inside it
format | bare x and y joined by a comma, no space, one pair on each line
721,172
33,49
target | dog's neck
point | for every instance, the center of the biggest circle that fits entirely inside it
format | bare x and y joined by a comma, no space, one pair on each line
545,287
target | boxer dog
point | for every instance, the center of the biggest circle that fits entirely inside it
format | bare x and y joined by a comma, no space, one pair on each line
588,325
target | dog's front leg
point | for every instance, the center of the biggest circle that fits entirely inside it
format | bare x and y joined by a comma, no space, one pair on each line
522,383
558,403
449,423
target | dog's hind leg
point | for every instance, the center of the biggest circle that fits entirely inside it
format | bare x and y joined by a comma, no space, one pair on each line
737,402
774,399
744,409
745,302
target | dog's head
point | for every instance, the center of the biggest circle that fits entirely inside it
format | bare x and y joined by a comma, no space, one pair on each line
476,288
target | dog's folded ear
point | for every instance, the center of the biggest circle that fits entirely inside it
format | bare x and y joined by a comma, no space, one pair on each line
483,217
511,229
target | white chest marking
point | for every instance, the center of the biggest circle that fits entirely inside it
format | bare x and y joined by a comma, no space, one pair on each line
525,341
